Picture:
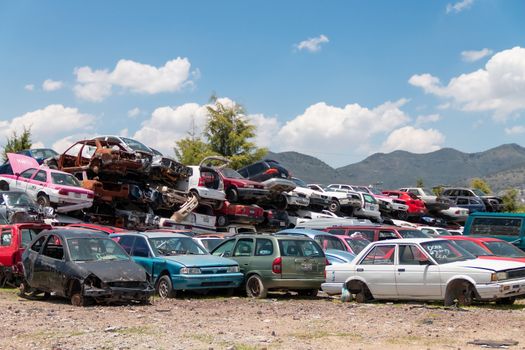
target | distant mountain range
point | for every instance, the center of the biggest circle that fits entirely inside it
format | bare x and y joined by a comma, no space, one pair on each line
502,167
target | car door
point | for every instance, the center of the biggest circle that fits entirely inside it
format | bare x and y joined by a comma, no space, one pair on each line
416,276
301,259
51,264
262,260
224,249
31,268
141,254
376,268
23,179
243,253
36,184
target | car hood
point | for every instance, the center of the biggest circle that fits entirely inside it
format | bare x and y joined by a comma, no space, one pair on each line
113,271
276,184
200,260
20,163
488,264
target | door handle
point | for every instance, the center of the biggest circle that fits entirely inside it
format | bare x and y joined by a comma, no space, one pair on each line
246,264
360,269
401,270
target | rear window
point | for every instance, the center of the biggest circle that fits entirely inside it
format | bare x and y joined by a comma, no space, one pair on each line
329,242
413,234
306,248
492,226
357,245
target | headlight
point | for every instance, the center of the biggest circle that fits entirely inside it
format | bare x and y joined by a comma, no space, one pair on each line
498,276
233,269
190,271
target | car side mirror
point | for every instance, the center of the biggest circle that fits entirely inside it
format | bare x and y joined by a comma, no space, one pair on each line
425,262
225,254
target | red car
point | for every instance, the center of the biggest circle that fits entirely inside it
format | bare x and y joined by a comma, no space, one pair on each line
239,189
353,244
96,227
416,206
376,232
239,213
488,247
13,241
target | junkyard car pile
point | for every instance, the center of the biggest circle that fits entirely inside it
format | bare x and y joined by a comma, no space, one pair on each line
140,222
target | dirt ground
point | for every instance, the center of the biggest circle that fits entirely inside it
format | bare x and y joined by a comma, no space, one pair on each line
280,322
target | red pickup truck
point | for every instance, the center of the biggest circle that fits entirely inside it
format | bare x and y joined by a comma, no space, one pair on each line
14,239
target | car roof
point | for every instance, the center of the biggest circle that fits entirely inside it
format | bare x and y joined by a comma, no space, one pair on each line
408,240
269,235
74,233
305,231
153,234
474,238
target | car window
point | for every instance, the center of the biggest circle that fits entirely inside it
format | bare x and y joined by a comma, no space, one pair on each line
337,231
427,231
28,234
263,247
357,245
410,255
367,234
5,237
140,248
54,248
28,173
446,251
414,234
416,192
380,255
505,249
225,249
244,247
462,201
386,235
41,176
167,245
74,150
125,242
37,246
475,201
472,247
65,179
211,243
309,248
329,242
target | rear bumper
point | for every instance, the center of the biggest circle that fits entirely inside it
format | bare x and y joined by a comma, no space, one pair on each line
348,202
294,284
252,193
245,219
215,281
297,201
493,291
332,288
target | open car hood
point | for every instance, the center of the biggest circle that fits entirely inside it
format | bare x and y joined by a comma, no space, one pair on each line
20,163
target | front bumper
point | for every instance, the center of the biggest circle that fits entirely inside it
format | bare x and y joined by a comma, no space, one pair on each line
207,281
349,202
332,288
297,201
251,193
113,294
503,289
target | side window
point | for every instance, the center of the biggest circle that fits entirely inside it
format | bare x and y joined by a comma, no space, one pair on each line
256,169
410,255
427,231
244,247
126,242
263,247
54,248
362,234
462,201
244,172
416,192
225,249
337,231
28,234
37,246
140,248
380,255
41,176
386,235
28,173
5,237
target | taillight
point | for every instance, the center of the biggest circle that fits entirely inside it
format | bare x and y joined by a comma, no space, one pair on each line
91,195
63,191
277,265
201,181
271,171
326,261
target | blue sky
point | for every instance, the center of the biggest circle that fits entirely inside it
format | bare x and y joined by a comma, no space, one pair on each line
384,75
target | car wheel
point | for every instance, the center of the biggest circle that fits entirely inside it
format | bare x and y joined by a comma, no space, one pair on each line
4,186
506,301
77,299
222,220
363,295
165,287
43,200
334,206
462,292
255,287
402,215
232,195
308,293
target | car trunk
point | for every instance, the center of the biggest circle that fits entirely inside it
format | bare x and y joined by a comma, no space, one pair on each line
300,261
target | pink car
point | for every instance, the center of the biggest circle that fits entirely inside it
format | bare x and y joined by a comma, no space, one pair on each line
353,244
47,186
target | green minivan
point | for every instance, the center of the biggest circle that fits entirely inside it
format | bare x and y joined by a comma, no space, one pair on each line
507,226
276,262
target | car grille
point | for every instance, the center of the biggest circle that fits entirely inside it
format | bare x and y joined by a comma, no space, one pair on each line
213,270
518,273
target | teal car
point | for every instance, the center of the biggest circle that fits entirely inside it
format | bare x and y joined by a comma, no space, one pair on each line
176,262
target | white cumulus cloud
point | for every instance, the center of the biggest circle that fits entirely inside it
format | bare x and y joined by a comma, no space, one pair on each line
312,44
499,87
96,85
411,139
515,130
431,118
52,85
132,113
459,6
29,87
473,56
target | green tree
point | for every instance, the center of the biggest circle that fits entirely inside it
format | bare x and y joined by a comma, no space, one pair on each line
481,185
16,143
191,150
510,200
419,182
437,190
228,133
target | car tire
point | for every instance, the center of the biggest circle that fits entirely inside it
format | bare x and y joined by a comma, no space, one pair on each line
506,301
232,195
77,299
363,295
402,215
255,287
165,287
4,186
462,292
311,293
222,220
334,206
43,200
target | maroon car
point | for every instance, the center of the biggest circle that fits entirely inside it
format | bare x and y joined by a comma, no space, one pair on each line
239,213
241,190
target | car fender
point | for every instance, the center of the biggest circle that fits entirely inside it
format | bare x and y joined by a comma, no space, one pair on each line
354,278
455,278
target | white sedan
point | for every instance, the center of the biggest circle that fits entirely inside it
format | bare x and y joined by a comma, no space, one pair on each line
426,269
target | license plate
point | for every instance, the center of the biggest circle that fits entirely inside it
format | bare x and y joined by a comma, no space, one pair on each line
206,219
77,195
306,267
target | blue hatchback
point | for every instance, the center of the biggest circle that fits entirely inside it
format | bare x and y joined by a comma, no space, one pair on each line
176,262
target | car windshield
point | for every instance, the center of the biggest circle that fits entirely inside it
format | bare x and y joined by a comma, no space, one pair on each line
329,242
211,243
413,234
135,145
43,153
18,199
64,179
472,248
375,191
443,232
230,173
478,192
427,192
95,249
445,252
357,245
299,182
505,249
165,246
